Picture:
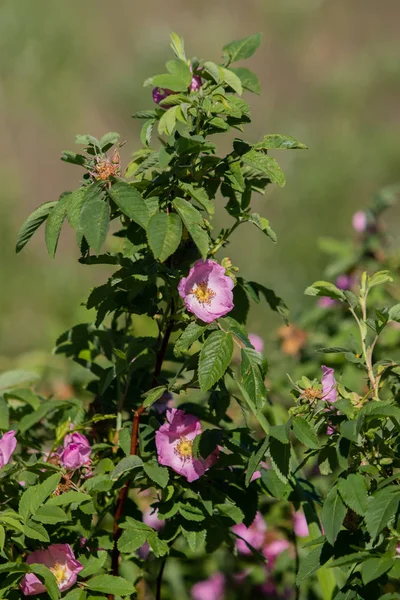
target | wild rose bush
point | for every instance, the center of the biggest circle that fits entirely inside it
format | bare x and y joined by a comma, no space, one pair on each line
174,473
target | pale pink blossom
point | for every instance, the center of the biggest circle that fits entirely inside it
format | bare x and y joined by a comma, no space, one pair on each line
212,588
150,517
273,549
359,221
329,391
174,442
207,291
257,342
61,561
300,524
253,535
8,444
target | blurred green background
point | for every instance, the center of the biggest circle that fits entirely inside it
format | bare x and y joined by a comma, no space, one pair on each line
330,74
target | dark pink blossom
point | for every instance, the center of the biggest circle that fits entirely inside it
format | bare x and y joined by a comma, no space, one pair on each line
344,282
257,342
61,561
150,517
76,452
174,442
254,535
160,94
359,221
207,291
8,444
196,83
212,588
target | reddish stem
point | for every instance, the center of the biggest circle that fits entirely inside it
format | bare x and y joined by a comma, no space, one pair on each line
123,494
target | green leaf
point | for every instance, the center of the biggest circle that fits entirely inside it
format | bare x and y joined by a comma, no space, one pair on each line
180,69
215,357
70,497
2,537
109,584
178,46
108,140
191,511
262,224
34,417
54,224
159,547
375,567
156,473
351,429
130,540
212,69
266,164
230,78
276,141
168,120
95,222
241,49
153,395
309,564
382,507
195,539
128,463
10,379
175,83
248,79
325,288
255,459
193,222
76,594
75,204
275,486
48,579
305,433
354,493
164,233
394,313
200,195
36,495
252,380
36,532
93,564
32,223
333,514
231,511
379,278
50,515
191,334
131,202
279,454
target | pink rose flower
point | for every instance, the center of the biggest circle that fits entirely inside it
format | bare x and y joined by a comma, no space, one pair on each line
326,302
211,589
150,517
61,561
257,342
8,444
207,291
77,451
359,221
300,524
174,442
254,535
160,94
273,549
329,391
344,282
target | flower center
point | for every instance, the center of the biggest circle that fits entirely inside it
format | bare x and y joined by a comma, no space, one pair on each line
184,449
203,293
312,394
59,572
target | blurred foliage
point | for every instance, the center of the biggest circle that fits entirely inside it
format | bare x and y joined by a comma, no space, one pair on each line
330,76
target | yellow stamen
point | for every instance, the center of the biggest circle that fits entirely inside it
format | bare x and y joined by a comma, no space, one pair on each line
184,448
59,572
203,293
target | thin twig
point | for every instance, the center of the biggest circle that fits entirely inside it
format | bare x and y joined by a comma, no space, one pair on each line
159,579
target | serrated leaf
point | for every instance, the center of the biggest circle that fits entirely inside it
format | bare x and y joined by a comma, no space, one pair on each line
229,77
279,454
252,380
35,531
95,222
193,222
10,379
190,511
277,141
394,313
248,79
175,83
255,459
266,164
128,463
382,506
262,224
375,567
108,140
153,395
241,49
70,497
131,540
354,493
379,278
50,515
168,120
109,584
191,334
54,224
305,433
131,202
158,474
231,511
215,357
36,495
333,514
195,539
32,223
164,233
324,288
159,546
309,564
